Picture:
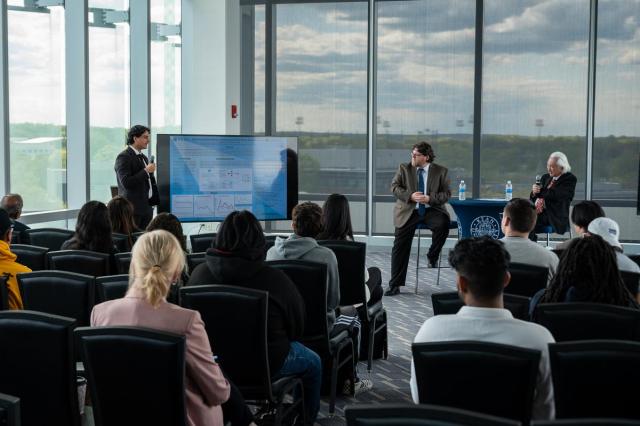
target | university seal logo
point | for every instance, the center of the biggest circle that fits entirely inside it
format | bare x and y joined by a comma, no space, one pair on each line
485,225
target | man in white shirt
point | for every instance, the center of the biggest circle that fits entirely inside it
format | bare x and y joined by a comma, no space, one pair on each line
609,230
482,271
518,220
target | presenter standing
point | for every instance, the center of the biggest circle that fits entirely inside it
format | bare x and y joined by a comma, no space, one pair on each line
421,189
135,174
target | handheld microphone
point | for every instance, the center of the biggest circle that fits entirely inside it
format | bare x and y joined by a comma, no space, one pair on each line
537,179
152,159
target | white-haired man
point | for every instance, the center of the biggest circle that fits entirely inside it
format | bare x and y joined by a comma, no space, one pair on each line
553,196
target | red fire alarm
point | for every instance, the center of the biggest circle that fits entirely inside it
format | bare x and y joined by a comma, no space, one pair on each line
234,111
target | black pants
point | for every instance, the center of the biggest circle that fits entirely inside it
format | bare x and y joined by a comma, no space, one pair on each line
542,221
142,220
437,222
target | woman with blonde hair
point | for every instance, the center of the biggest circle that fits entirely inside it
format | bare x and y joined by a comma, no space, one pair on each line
157,261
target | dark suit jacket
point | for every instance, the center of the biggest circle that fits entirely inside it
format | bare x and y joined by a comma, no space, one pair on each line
405,183
133,181
557,199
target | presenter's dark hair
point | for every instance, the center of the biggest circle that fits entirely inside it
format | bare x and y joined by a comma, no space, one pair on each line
241,235
522,214
336,219
590,267
483,262
584,212
307,219
93,229
425,149
135,132
170,223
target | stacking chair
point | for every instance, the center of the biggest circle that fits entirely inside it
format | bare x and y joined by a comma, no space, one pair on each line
419,415
631,281
351,257
242,348
111,287
194,259
121,241
526,280
452,225
9,410
202,242
310,278
604,421
635,258
596,378
33,257
450,303
80,261
59,293
270,241
148,392
38,367
136,235
16,237
123,261
490,378
52,238
588,321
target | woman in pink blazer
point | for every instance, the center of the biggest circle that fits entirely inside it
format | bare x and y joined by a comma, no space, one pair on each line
157,261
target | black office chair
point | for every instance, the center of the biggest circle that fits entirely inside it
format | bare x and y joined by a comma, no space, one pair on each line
596,378
418,415
490,378
351,257
246,360
270,241
121,242
558,252
194,259
124,393
16,237
310,278
9,410
38,367
52,238
122,261
59,293
202,242
33,257
136,235
635,258
111,287
631,281
588,321
80,261
4,293
450,303
586,422
526,280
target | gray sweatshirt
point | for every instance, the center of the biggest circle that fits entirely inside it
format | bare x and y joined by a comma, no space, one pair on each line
306,248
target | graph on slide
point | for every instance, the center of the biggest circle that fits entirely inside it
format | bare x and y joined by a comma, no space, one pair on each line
225,179
224,204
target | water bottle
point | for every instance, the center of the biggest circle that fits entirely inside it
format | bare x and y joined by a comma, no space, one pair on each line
508,191
462,189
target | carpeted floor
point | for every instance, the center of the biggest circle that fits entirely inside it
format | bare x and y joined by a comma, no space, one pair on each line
406,313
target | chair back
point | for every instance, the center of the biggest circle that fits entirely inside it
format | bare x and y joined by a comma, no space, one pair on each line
635,258
588,321
4,293
33,257
121,242
631,281
123,261
111,287
194,259
596,378
558,252
125,393
517,305
136,235
351,257
489,378
36,350
52,238
59,293
244,360
269,241
419,415
80,261
16,237
202,242
310,278
9,410
450,303
526,280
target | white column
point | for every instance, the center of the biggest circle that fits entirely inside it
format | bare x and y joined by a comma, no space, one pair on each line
4,100
140,70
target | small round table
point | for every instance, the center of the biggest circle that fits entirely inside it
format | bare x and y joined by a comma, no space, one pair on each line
478,217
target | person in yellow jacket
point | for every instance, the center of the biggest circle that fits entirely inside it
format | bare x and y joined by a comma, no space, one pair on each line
8,264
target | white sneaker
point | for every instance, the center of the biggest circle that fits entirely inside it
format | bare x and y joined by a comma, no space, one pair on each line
362,385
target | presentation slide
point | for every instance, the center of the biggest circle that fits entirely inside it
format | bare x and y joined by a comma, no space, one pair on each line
205,177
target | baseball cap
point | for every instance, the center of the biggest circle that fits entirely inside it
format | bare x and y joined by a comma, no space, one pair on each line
607,228
5,222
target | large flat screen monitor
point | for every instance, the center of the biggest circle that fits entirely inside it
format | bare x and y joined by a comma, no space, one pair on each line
202,178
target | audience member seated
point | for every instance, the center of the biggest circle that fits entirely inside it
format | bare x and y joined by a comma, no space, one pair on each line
8,264
336,223
587,272
237,258
609,230
13,204
93,230
518,220
581,216
170,223
306,222
157,261
482,272
121,215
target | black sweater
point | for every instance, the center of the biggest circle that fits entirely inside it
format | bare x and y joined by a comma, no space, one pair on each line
285,322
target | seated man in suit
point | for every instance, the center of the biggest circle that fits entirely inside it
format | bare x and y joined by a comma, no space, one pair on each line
552,196
13,204
482,269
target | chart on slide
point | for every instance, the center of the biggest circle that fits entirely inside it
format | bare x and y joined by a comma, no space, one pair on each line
225,179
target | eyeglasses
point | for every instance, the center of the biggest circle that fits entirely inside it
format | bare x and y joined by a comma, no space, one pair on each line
417,154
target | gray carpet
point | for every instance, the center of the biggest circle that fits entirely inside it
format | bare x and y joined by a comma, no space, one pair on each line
406,313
